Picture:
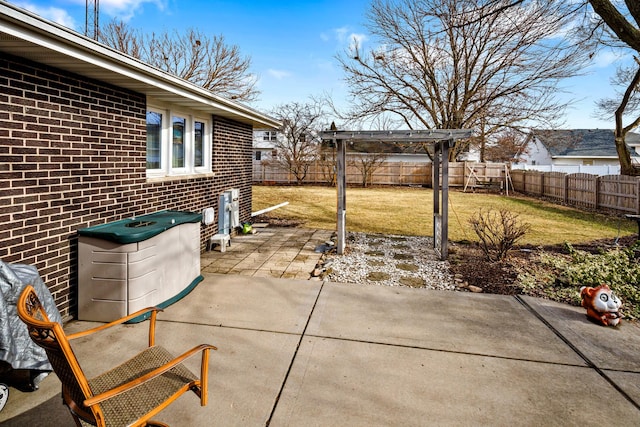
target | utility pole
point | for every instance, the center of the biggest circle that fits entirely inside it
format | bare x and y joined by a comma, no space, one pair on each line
91,24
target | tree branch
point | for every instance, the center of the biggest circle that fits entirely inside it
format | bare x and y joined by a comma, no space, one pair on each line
618,23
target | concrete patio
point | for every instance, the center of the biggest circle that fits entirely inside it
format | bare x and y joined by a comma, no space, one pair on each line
298,352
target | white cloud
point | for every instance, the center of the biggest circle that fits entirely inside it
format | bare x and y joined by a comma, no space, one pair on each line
356,39
341,33
122,9
125,9
278,74
347,38
605,58
51,13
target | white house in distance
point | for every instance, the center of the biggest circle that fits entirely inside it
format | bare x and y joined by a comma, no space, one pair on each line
573,148
264,147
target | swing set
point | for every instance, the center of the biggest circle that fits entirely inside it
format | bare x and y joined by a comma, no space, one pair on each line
484,181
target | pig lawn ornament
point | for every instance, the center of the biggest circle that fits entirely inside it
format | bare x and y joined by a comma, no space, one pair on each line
602,305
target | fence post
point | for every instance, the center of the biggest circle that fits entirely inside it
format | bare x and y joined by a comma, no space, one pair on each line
597,193
638,198
566,188
464,173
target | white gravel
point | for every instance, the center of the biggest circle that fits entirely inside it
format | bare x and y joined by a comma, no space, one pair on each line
390,261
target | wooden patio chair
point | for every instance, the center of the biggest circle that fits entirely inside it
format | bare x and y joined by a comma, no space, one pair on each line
129,394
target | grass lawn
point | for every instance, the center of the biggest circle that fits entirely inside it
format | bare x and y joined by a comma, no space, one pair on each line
408,211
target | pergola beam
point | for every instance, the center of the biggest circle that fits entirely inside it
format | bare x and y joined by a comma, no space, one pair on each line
407,136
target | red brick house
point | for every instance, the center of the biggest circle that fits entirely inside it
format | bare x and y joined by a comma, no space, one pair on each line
89,136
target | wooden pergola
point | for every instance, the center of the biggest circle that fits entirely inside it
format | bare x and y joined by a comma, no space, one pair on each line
441,139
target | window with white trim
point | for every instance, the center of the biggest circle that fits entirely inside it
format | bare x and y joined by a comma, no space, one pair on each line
269,136
154,139
178,143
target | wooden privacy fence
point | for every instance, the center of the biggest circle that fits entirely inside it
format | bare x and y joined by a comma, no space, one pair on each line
618,193
388,173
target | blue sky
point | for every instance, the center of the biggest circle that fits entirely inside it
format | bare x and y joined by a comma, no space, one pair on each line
292,44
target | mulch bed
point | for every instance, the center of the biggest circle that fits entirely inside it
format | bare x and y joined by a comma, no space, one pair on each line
468,262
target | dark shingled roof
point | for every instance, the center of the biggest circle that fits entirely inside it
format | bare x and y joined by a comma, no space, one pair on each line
582,142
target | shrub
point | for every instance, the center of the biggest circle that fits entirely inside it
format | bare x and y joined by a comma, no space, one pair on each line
498,231
613,267
617,268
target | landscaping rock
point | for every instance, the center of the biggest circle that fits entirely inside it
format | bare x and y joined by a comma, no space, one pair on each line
367,256
407,267
374,253
378,276
414,282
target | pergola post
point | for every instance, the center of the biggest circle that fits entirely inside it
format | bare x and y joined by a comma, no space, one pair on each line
435,180
341,182
444,243
441,198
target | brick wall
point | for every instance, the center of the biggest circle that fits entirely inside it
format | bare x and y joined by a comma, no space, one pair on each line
72,155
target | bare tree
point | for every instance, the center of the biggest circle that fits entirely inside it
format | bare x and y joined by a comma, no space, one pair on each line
438,65
298,141
506,147
328,163
204,60
616,24
625,25
367,164
122,37
617,16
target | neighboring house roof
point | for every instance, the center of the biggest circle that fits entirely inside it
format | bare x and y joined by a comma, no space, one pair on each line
582,143
27,35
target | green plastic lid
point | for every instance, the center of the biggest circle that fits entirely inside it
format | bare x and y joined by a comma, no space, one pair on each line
132,230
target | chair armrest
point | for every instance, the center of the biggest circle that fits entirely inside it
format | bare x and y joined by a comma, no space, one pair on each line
151,375
154,311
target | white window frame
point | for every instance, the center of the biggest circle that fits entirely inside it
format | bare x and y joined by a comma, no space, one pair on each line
163,131
166,146
206,144
270,136
187,138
